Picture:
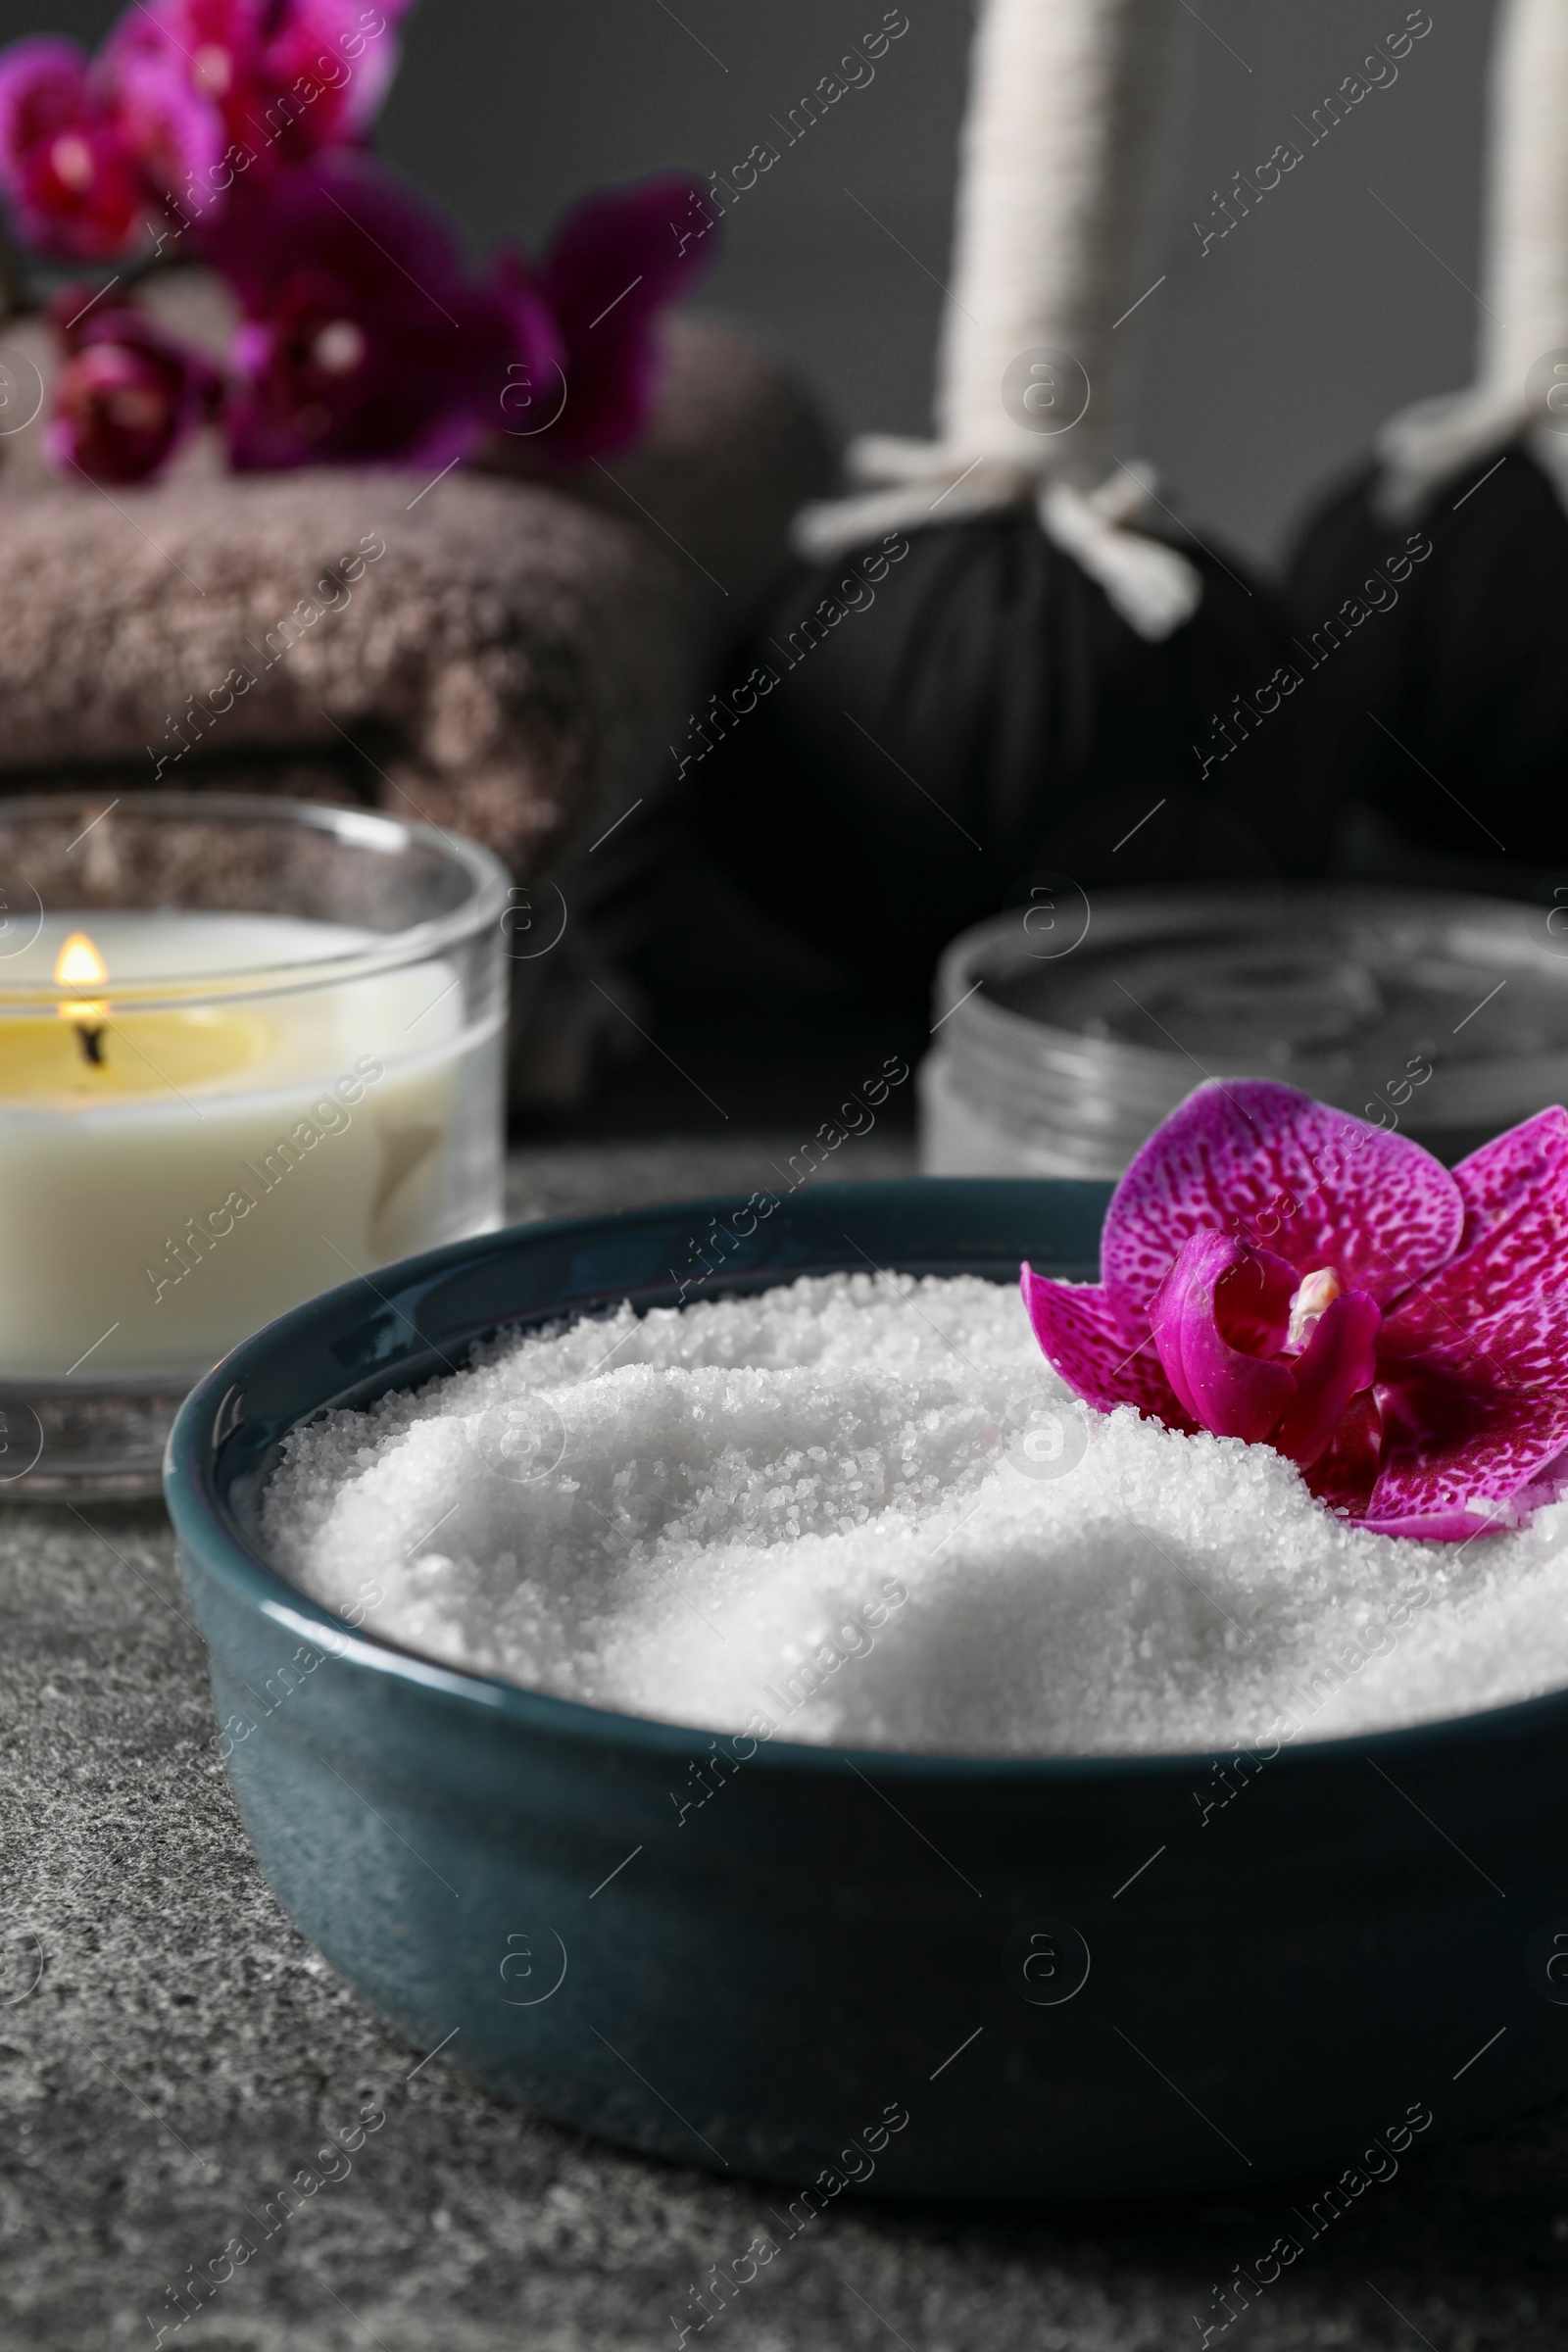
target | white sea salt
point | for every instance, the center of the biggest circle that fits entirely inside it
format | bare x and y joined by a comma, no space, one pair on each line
864,1509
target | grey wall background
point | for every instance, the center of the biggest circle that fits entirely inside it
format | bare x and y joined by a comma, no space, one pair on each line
1263,365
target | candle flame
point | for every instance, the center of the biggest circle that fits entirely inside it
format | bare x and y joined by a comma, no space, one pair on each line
77,965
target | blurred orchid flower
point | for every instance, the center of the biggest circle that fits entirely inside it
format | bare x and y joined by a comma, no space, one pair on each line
184,99
364,339
128,396
261,83
68,170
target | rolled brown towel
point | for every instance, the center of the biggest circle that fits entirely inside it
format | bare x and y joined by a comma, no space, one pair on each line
503,657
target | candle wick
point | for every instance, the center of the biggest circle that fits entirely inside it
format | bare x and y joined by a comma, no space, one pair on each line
91,1034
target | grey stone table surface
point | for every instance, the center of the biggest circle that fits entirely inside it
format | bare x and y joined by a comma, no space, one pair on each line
172,2053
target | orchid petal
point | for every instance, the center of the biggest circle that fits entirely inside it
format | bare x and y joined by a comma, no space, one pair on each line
1515,1192
1338,1362
1450,1524
316,34
1345,1472
1253,1301
1224,1388
1511,1171
1265,1162
614,263
378,216
178,136
1451,1439
1081,1337
1473,1358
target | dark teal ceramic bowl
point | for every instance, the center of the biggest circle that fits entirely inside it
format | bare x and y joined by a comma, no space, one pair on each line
918,1975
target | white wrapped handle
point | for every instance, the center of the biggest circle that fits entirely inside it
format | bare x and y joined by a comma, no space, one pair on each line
1524,275
1057,155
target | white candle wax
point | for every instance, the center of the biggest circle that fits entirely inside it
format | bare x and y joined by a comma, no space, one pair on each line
230,1153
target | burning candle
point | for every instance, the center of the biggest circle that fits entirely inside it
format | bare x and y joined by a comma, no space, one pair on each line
210,1113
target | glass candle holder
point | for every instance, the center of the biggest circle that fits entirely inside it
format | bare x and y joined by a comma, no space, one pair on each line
248,1049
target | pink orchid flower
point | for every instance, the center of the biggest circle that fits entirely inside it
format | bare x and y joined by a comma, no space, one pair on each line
364,340
1280,1273
264,83
68,168
129,394
613,264
185,97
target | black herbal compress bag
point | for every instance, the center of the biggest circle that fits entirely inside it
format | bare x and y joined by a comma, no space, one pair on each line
1430,596
996,661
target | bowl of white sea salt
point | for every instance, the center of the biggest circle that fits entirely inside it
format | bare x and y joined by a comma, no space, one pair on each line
765,1718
